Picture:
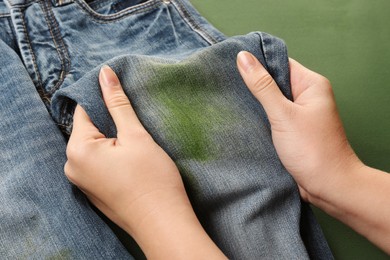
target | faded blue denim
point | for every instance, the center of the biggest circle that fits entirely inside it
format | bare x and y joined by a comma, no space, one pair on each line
180,75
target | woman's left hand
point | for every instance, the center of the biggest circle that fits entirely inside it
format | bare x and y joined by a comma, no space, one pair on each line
131,179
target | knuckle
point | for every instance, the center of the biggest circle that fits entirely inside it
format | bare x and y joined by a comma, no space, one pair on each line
261,84
77,152
117,99
70,151
283,117
69,173
139,133
325,83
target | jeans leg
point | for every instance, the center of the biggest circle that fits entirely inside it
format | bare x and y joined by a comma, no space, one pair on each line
244,198
42,215
198,109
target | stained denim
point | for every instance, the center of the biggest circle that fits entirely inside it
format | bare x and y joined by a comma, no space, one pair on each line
181,77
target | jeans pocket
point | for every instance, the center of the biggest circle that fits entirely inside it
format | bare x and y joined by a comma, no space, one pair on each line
109,10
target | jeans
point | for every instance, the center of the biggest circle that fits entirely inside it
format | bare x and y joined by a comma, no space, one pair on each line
180,75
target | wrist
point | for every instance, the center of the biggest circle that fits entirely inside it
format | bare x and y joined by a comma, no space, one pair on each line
141,214
357,200
334,179
170,230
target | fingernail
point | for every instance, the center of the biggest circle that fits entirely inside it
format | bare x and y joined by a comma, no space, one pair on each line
108,77
246,60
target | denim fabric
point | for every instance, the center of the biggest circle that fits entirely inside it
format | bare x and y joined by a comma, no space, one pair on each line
42,215
200,111
180,74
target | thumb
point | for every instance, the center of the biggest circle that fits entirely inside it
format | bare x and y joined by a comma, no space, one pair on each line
262,85
117,103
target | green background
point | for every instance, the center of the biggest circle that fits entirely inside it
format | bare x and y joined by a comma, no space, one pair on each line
348,41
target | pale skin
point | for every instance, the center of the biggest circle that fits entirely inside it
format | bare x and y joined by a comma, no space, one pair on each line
135,183
311,143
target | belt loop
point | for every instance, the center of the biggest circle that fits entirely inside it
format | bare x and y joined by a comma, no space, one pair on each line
61,2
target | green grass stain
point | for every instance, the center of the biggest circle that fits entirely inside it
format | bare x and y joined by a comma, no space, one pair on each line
192,96
63,254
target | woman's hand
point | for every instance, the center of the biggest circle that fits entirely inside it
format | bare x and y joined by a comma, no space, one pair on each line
311,143
133,181
307,133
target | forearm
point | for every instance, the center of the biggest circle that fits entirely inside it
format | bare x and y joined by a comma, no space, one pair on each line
359,198
172,231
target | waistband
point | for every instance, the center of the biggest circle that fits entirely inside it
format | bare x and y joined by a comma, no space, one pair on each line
24,3
5,5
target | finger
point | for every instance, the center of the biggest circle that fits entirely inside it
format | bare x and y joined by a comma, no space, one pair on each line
83,128
261,84
298,74
302,78
117,102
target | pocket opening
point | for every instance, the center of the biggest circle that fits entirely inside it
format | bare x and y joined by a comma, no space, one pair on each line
109,7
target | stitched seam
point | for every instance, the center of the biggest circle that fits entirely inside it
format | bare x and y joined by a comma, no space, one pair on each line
38,76
59,44
24,5
12,33
263,49
99,4
194,25
145,7
98,20
63,56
